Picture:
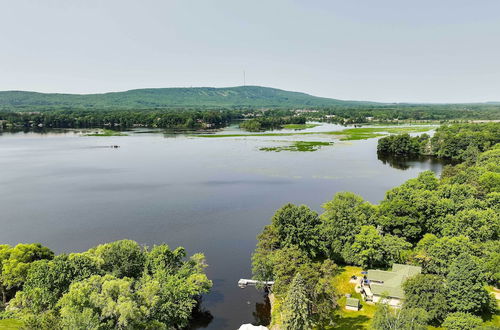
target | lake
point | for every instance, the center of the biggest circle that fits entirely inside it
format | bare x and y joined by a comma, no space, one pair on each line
212,195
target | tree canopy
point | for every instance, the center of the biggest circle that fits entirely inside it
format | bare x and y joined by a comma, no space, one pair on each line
118,285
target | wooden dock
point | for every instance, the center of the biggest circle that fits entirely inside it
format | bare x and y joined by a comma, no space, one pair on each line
243,283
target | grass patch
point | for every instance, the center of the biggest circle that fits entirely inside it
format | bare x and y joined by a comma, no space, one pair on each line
106,132
298,146
300,126
363,133
346,319
359,133
276,311
10,324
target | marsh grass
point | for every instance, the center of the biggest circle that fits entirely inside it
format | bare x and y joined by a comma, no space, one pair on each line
303,146
299,126
359,133
106,132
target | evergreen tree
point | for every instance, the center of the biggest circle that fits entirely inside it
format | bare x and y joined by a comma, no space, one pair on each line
296,307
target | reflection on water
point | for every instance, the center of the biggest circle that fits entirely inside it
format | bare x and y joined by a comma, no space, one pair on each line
424,162
201,317
262,314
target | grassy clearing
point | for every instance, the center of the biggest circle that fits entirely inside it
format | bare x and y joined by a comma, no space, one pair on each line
10,324
361,133
106,132
298,146
299,126
351,319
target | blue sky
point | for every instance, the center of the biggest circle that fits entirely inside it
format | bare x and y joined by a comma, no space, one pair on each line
401,51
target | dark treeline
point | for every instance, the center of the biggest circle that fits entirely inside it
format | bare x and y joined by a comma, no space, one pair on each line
414,112
457,142
270,122
265,118
449,226
118,119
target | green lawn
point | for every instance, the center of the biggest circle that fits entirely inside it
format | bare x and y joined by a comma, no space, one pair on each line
10,324
347,319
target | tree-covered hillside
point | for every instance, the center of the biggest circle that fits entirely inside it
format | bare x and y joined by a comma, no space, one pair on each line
151,98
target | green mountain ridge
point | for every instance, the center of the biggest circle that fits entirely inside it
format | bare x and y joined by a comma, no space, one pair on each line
154,98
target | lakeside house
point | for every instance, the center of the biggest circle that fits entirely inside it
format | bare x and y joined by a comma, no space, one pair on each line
379,284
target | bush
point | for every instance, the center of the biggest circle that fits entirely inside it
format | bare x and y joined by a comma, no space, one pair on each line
461,321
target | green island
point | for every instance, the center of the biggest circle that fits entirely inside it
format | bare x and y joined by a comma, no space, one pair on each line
426,257
118,285
299,146
106,132
299,126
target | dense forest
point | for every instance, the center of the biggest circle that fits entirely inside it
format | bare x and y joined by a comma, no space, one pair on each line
457,142
251,119
271,122
118,285
448,226
116,119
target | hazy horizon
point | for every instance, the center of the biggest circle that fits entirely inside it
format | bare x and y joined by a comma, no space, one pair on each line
118,91
388,51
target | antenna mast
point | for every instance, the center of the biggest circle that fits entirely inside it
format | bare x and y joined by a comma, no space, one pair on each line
244,79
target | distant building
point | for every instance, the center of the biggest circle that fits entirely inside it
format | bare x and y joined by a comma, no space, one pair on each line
301,111
381,283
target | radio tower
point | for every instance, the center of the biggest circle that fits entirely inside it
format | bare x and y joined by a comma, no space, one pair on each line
244,79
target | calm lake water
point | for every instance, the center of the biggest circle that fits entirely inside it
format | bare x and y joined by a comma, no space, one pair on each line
211,195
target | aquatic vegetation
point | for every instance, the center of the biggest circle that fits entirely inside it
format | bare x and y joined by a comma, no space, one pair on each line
358,133
299,146
106,132
299,126
363,133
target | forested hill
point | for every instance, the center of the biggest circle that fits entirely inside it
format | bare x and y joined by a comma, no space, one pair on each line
154,98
